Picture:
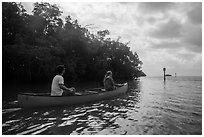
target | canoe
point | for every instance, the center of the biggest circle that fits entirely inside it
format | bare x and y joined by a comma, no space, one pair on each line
30,100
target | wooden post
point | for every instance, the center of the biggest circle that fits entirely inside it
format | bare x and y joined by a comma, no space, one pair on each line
164,69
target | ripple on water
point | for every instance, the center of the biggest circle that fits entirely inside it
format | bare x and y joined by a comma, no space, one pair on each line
67,122
37,129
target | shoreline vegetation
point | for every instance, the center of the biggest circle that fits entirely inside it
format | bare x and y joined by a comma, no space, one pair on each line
34,44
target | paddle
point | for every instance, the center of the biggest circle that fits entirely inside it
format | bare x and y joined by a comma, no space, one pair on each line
78,94
89,91
93,91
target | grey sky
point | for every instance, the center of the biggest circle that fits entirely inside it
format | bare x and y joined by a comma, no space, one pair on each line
164,34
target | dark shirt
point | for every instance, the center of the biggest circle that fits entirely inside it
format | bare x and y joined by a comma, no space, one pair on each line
109,83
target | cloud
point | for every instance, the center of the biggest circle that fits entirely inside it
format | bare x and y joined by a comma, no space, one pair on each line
180,33
195,15
153,7
170,29
186,56
191,43
192,37
166,45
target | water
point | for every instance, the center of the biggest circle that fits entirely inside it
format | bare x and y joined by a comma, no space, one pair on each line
151,106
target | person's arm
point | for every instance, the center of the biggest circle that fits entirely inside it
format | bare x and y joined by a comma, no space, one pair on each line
112,81
62,86
115,84
119,85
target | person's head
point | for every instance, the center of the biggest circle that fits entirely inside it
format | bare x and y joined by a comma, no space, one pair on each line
60,69
109,73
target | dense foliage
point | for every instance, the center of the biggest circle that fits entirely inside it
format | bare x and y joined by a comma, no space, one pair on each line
34,44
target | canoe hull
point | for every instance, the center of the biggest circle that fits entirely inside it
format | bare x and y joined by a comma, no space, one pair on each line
28,101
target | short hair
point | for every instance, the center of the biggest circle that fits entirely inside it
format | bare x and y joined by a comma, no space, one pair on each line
59,69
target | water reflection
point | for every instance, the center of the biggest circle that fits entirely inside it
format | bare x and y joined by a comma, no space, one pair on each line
164,85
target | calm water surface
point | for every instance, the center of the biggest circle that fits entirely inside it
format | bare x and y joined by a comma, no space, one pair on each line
150,107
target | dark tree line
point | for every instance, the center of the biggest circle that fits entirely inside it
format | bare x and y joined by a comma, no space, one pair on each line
34,44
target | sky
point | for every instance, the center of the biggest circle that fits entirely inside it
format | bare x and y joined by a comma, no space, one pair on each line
163,34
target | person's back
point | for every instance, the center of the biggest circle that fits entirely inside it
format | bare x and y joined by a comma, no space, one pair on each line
108,83
55,88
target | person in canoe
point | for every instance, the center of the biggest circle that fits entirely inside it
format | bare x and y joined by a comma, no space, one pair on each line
109,83
58,88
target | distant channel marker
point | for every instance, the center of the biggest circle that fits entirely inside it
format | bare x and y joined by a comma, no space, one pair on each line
164,69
